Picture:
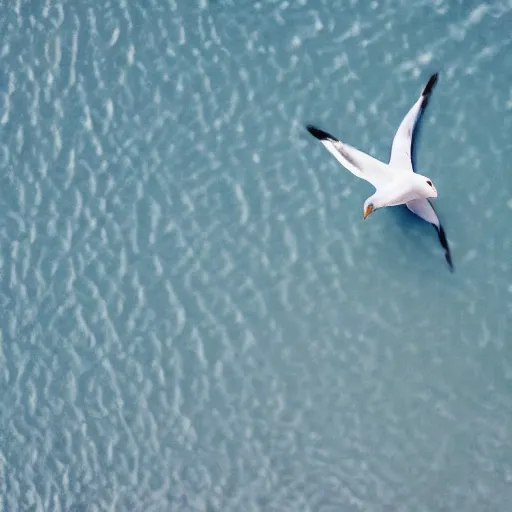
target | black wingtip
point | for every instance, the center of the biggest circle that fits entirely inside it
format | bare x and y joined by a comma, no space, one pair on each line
444,242
430,85
319,134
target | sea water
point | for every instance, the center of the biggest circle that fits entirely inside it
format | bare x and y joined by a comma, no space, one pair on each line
194,315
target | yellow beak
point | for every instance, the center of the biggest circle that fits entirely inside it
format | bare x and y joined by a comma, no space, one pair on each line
368,211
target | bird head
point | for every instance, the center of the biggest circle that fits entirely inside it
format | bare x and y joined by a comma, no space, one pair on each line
369,208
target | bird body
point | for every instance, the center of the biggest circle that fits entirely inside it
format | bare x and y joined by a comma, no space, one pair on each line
396,182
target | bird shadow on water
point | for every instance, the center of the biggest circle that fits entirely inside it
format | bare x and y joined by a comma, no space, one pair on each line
410,223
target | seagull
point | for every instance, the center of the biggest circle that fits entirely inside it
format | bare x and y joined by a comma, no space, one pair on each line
396,182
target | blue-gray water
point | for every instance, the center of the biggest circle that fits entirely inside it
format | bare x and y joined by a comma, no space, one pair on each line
194,316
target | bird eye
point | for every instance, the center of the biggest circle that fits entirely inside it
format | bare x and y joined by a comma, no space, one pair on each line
429,182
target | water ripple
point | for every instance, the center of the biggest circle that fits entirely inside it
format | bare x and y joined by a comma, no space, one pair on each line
194,316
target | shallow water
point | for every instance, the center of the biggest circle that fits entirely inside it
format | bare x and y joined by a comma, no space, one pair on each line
194,315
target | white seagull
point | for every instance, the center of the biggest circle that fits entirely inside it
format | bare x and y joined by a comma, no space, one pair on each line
396,182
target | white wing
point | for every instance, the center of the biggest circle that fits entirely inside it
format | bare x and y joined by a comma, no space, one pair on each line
362,165
402,148
422,208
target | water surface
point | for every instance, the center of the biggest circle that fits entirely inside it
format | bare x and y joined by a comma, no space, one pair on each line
194,315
